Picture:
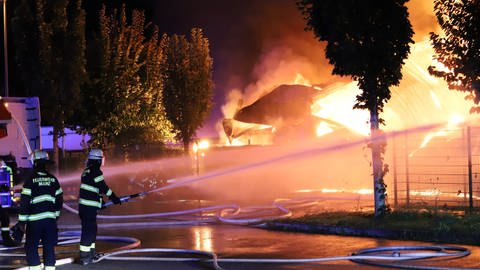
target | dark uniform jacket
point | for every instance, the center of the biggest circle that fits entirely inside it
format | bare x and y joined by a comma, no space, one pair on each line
92,187
42,197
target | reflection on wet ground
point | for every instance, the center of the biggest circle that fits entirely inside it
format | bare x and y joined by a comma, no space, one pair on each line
245,187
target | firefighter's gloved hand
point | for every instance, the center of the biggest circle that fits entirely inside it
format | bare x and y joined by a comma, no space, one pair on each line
115,199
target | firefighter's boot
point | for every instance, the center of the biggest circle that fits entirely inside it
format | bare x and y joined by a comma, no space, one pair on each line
7,240
85,258
96,256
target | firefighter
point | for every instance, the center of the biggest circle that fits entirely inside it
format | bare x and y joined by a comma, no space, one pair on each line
40,205
4,218
90,201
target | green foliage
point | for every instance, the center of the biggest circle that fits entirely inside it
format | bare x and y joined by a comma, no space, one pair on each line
402,224
458,49
50,45
123,103
367,40
188,83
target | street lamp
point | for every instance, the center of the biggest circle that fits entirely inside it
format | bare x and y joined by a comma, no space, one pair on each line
5,46
197,147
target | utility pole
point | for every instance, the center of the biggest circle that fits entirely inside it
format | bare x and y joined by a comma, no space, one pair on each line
5,46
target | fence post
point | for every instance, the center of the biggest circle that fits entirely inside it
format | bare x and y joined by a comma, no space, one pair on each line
407,177
470,184
395,195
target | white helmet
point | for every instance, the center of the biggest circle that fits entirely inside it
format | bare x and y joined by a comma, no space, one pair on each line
38,155
95,153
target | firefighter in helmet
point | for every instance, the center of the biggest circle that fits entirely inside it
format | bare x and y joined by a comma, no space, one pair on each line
90,201
7,183
40,205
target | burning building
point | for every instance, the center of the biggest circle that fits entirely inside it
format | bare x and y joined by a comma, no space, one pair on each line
284,114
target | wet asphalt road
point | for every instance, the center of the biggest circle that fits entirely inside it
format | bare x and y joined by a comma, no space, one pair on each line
244,185
229,242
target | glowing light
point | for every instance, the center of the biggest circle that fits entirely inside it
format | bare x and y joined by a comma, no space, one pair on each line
195,147
203,238
364,191
338,107
200,145
323,128
453,122
203,144
299,79
420,100
435,99
237,142
327,190
431,193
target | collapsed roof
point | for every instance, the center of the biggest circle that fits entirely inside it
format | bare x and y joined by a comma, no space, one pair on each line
286,106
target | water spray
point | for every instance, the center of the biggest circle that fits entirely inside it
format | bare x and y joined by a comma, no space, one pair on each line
231,214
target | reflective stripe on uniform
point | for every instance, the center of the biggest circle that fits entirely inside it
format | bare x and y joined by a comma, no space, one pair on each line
59,191
57,213
98,178
26,191
36,267
35,217
43,198
85,248
90,203
49,267
109,192
5,229
89,188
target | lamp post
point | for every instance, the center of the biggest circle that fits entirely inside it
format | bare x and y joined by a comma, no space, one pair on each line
197,147
195,151
5,45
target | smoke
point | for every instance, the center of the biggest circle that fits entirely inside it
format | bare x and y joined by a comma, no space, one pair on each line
422,18
288,51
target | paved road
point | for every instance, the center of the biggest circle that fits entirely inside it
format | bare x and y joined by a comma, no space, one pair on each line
228,241
245,185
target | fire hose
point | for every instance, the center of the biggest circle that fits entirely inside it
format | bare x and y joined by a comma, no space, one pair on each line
125,198
390,257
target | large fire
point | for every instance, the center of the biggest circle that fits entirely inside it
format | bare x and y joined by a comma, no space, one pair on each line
419,100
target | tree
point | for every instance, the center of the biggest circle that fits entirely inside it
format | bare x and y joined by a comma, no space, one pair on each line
50,55
458,50
188,83
367,40
123,102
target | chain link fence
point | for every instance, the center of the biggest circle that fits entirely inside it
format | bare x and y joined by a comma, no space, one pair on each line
439,168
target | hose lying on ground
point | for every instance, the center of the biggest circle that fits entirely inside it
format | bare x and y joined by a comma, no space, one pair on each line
390,257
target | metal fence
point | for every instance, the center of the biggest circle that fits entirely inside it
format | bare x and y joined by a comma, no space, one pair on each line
436,168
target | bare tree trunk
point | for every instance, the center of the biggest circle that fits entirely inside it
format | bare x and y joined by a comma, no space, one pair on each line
379,188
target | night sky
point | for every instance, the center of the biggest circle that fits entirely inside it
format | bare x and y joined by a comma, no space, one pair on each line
241,34
252,42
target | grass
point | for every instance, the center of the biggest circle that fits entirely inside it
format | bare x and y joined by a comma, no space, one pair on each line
423,225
